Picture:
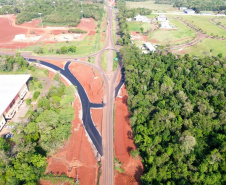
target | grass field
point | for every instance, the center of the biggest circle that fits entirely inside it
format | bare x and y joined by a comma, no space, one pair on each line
115,62
222,21
135,26
203,48
89,45
104,60
174,37
151,5
204,23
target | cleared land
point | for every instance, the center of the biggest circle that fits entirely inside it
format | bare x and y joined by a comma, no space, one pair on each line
174,37
204,48
135,26
222,21
151,5
203,22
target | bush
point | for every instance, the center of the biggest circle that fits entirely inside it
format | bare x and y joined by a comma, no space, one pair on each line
64,49
76,31
72,49
36,94
28,101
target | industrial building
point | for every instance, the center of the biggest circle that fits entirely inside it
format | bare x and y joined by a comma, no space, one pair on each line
13,88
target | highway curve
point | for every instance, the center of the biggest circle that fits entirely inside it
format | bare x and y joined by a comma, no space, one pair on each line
86,104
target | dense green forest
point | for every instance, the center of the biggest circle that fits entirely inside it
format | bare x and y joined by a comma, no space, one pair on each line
214,5
63,12
178,113
178,116
23,157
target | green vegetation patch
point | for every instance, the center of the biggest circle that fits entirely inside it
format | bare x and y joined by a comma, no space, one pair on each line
118,165
104,60
218,5
60,13
55,179
221,21
115,60
150,5
173,37
74,30
135,26
177,112
24,156
207,47
203,23
89,45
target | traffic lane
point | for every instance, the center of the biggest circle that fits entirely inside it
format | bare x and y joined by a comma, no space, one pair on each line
88,123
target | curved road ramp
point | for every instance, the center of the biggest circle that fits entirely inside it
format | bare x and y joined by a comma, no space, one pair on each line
86,104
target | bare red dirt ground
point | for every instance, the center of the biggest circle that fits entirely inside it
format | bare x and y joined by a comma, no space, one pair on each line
8,33
87,24
90,79
77,156
97,115
124,144
141,37
57,63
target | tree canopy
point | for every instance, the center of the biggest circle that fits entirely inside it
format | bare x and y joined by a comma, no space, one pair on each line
178,116
23,157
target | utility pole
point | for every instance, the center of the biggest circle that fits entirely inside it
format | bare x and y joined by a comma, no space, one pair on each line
8,18
82,14
41,18
54,5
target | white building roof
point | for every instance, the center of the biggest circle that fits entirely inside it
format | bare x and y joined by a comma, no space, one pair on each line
150,46
10,86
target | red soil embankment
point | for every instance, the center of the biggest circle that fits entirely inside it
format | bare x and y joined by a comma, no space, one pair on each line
97,115
124,143
87,24
7,32
90,79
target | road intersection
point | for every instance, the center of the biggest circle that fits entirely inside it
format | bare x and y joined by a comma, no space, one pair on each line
104,144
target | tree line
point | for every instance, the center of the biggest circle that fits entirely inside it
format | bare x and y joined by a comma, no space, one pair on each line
202,5
62,13
23,157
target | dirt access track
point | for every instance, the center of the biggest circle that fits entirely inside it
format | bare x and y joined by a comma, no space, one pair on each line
76,157
124,143
14,36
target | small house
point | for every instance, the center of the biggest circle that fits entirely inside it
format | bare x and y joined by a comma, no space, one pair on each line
189,11
161,18
141,18
183,8
149,47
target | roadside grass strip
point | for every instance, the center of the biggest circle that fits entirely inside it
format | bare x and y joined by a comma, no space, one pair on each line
104,61
115,62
